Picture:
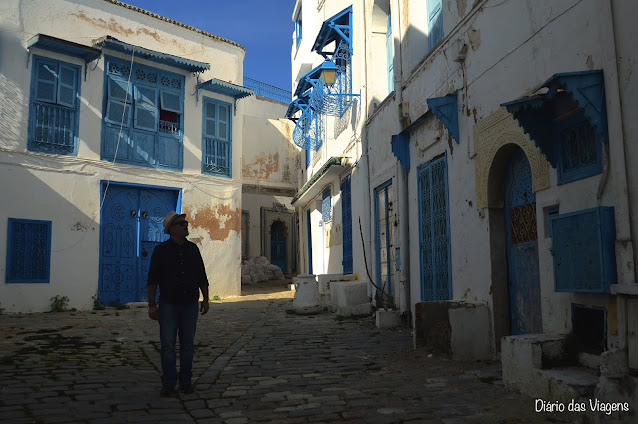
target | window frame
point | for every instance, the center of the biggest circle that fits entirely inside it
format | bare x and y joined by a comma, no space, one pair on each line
134,133
564,176
435,17
229,107
47,265
36,146
326,204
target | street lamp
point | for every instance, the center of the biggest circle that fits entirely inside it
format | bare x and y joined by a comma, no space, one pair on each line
328,73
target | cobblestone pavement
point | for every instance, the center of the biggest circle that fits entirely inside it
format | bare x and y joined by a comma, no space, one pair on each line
255,361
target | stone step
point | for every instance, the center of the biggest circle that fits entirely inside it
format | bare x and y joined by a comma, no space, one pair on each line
565,384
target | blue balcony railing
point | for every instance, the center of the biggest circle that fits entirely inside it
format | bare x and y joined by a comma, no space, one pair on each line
268,91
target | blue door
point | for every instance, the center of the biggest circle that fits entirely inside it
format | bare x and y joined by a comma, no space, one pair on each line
346,224
522,247
383,199
434,231
130,228
278,252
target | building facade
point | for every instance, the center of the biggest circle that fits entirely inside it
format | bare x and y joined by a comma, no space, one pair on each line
113,116
490,145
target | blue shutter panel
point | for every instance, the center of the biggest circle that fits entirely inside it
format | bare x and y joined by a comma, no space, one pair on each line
67,90
390,53
171,101
210,126
435,22
28,251
46,82
222,123
346,224
145,108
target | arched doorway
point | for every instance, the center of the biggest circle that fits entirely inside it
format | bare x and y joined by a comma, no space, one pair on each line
278,245
521,242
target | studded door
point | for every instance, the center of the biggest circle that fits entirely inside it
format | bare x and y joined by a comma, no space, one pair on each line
522,247
131,227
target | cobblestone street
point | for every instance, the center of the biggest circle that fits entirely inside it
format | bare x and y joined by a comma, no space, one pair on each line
255,361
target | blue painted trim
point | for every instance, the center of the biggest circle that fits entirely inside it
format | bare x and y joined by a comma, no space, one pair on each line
65,47
333,28
445,108
31,127
226,88
534,113
346,224
47,259
112,43
401,148
217,103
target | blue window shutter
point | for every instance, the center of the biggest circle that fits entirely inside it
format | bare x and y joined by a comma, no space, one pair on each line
171,101
119,89
435,22
145,108
28,251
346,224
119,99
210,126
222,123
67,91
46,81
390,53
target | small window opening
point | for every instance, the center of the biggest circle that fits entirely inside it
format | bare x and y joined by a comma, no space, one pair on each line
589,328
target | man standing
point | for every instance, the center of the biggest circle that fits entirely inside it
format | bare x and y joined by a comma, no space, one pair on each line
178,269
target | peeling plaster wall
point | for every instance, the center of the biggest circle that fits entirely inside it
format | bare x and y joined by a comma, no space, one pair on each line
543,38
66,189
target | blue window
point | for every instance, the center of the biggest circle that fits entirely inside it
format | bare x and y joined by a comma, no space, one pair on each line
28,251
579,154
326,205
217,151
435,22
346,221
143,116
54,108
390,52
298,31
434,231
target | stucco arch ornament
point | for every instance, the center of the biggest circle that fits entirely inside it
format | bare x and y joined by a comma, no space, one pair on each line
492,133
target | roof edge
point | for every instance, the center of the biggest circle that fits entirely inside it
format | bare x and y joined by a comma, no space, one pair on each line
174,22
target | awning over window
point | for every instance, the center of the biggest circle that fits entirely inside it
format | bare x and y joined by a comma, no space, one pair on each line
298,104
561,96
401,148
167,59
337,27
446,110
57,45
226,88
305,83
333,167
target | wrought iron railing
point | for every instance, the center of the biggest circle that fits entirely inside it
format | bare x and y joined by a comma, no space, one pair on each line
217,156
268,91
54,128
169,127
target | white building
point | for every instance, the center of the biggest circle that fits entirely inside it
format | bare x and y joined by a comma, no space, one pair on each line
112,116
490,145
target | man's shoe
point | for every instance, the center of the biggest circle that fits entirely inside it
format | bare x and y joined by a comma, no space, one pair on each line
167,391
187,389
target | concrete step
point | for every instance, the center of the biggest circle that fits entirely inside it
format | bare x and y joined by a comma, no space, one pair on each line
565,384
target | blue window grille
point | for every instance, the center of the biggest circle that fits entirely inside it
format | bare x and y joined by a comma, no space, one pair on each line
435,22
346,224
390,54
217,138
54,107
383,201
28,251
579,149
308,132
434,231
326,205
143,116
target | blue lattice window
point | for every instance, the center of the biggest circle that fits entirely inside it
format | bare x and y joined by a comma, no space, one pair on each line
326,205
435,22
579,149
28,251
434,231
217,151
298,30
143,115
54,107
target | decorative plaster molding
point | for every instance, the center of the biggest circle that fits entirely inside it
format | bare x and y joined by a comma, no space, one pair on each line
492,133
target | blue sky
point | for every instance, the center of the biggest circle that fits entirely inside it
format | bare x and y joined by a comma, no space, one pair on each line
263,27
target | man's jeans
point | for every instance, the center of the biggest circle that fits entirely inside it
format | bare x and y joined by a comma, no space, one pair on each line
174,320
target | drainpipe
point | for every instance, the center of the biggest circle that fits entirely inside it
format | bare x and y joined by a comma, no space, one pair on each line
401,172
618,162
